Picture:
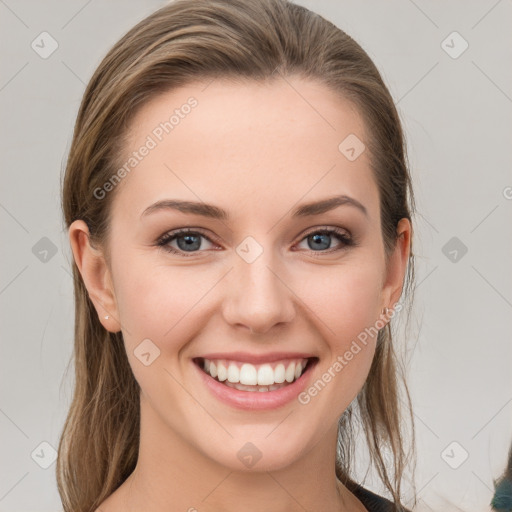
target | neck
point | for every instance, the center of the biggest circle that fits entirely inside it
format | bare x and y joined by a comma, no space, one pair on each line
173,475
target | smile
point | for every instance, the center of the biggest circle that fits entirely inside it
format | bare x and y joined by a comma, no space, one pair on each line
255,386
252,377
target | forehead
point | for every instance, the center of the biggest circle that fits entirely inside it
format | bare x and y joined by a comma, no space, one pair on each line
245,146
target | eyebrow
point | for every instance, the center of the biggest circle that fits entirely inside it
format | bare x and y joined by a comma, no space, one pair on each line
214,212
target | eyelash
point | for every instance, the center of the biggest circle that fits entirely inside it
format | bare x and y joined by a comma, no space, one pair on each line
164,240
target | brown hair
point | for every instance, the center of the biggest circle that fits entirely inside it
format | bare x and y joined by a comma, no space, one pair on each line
184,42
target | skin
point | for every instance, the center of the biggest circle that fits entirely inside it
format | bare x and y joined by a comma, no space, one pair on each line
258,151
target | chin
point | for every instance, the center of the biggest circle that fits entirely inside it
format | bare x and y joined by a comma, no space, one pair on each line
254,455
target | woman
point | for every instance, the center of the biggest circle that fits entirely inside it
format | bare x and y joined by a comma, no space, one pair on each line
239,210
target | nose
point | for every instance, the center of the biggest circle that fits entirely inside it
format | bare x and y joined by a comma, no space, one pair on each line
258,295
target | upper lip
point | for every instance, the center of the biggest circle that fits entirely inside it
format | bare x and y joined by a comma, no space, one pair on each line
246,357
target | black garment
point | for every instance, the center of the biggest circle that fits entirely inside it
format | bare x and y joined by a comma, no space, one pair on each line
373,502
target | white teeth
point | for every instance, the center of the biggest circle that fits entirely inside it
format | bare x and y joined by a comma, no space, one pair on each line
279,374
265,376
242,387
290,372
233,373
222,373
248,375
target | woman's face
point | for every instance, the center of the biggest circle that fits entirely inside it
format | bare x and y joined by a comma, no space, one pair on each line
265,282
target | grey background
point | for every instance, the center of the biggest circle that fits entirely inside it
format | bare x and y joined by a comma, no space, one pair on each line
457,115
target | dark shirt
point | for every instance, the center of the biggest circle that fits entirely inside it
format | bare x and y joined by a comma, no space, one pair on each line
373,502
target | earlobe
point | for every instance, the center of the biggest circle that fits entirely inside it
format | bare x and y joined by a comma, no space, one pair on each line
96,275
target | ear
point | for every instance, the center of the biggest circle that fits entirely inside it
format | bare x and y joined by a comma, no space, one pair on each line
397,265
95,273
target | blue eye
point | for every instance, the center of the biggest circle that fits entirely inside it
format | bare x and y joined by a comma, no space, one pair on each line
189,241
320,239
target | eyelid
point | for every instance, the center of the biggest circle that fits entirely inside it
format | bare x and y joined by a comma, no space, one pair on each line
184,231
337,229
314,229
334,231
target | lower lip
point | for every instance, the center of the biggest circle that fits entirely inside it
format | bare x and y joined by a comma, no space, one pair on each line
256,400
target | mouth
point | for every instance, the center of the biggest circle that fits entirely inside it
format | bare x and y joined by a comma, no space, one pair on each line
255,386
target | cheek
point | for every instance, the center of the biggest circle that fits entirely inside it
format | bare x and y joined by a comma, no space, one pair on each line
157,301
138,296
346,299
347,304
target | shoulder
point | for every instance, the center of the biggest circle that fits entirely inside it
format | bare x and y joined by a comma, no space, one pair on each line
373,502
